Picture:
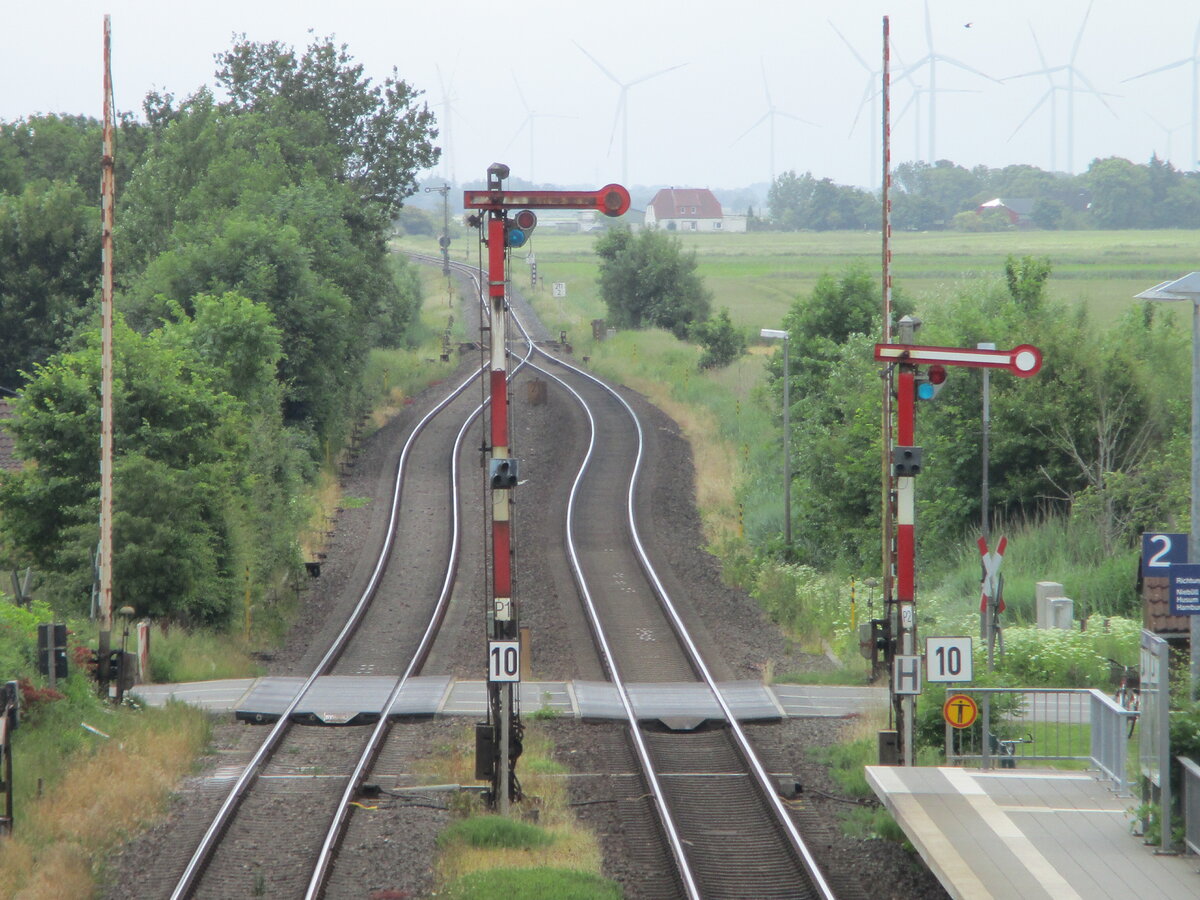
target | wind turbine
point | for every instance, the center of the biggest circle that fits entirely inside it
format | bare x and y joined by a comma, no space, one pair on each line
530,117
1169,132
870,95
447,104
1072,73
769,118
622,112
930,61
1194,59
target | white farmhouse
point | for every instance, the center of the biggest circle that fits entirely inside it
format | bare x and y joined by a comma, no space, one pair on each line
690,209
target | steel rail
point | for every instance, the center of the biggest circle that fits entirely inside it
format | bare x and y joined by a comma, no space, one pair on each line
741,740
337,827
665,815
666,818
221,820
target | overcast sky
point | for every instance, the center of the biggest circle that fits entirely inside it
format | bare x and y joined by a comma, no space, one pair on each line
688,126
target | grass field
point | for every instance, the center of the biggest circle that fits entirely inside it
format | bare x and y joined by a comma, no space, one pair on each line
758,275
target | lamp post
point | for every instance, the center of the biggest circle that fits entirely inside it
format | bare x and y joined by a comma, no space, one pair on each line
1182,289
778,334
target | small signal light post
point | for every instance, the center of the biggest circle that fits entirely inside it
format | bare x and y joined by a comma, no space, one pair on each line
918,373
500,739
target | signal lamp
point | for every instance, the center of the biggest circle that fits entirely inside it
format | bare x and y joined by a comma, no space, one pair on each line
526,220
929,383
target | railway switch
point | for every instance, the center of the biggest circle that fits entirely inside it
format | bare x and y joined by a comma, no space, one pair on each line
503,474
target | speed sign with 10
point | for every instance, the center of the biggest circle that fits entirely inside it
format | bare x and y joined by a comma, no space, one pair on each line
504,661
948,659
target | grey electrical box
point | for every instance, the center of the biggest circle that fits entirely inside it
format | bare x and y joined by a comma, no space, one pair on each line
889,748
906,461
502,473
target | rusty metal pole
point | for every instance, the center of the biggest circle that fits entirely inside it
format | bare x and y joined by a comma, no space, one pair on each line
107,192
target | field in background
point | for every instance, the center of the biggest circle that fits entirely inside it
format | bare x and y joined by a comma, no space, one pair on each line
758,275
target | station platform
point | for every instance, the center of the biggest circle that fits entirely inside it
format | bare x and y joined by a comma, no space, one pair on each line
356,699
1029,833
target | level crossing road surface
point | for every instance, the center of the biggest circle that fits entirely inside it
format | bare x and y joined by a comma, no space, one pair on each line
337,699
1031,833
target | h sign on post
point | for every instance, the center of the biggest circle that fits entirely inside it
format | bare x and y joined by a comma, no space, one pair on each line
907,674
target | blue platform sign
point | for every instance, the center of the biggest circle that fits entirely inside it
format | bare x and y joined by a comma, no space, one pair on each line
1185,589
1160,551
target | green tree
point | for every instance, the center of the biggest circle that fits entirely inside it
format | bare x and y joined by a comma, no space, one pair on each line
1121,194
323,348
66,148
648,280
168,426
49,269
1026,278
722,342
383,137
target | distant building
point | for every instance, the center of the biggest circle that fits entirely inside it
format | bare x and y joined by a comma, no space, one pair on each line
1019,211
690,209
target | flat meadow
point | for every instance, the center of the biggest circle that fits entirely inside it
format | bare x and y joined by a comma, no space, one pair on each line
758,275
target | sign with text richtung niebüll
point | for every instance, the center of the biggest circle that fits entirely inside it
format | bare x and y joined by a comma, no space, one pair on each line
1185,589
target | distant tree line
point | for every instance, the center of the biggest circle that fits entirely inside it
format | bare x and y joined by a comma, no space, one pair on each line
253,279
1112,193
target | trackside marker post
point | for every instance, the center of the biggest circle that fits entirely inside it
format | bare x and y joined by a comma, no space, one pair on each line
501,232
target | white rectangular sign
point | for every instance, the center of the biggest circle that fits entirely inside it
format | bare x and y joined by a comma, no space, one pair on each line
907,674
948,659
560,289
504,661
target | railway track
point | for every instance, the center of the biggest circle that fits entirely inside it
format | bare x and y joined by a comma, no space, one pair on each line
703,796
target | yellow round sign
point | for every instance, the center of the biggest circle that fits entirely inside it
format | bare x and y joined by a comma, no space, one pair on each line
960,711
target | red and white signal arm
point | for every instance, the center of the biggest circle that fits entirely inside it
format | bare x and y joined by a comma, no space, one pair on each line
1022,361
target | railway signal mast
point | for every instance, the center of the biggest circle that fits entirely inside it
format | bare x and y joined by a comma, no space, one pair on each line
906,363
498,740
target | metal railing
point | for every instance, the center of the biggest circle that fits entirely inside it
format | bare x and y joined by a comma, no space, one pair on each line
1045,725
1191,804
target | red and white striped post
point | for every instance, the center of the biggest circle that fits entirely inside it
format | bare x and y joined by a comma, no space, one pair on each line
495,202
906,358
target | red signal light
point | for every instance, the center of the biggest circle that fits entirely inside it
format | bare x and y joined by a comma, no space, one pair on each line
937,374
526,220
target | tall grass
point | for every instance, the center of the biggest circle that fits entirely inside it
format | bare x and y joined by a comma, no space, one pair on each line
95,791
481,845
1069,551
178,655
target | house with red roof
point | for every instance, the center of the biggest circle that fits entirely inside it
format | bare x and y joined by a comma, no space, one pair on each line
690,209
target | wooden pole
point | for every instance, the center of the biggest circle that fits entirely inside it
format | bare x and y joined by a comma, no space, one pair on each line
107,191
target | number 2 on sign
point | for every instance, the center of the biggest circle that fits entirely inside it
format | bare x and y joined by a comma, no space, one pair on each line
504,661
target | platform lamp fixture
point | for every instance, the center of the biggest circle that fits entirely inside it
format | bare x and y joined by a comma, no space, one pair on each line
778,334
1185,289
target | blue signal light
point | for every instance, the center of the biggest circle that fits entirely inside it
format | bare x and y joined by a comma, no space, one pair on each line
516,237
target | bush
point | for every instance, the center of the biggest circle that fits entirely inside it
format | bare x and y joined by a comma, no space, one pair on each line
1056,657
801,600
